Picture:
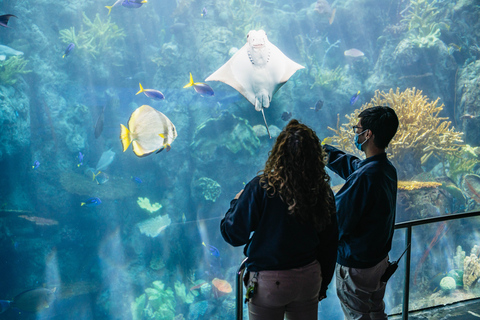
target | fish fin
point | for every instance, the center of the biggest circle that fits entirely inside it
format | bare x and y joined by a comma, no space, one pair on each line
168,147
191,83
160,150
125,137
162,135
82,204
141,89
109,8
63,56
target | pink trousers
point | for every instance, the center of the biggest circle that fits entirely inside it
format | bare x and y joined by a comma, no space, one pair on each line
292,294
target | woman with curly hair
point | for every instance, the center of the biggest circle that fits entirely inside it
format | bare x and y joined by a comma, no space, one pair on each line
286,219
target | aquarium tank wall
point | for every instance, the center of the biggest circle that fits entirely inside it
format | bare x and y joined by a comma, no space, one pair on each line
93,227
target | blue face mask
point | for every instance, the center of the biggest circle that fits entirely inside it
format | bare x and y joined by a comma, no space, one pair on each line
357,144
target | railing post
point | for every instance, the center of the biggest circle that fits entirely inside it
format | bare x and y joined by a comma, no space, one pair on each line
406,289
239,298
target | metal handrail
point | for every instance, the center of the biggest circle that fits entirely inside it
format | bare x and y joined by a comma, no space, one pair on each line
239,301
408,240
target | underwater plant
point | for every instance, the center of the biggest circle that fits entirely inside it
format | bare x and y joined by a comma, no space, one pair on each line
97,38
327,78
424,23
422,133
11,67
156,303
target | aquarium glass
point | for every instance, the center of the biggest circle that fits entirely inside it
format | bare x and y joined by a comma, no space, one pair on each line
99,229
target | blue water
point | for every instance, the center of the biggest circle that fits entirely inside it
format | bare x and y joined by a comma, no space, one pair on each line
100,262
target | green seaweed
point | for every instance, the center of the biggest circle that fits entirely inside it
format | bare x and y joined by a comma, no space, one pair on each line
95,37
156,303
11,67
327,78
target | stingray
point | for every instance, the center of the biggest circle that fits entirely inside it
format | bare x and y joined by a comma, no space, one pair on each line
105,160
257,71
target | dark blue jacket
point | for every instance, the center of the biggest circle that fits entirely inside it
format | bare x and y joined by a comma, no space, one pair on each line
279,241
366,207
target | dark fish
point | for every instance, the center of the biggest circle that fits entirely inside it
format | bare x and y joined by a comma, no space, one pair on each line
99,124
354,98
133,4
204,12
4,20
91,202
69,49
36,164
318,105
151,93
286,116
34,300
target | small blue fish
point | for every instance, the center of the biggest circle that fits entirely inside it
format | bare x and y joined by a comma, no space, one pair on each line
151,93
354,98
91,202
286,116
133,4
69,49
137,180
213,251
80,159
204,12
200,87
36,164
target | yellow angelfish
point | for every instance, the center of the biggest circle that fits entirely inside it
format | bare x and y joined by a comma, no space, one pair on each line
148,131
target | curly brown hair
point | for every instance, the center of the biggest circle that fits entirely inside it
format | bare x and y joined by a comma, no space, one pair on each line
295,169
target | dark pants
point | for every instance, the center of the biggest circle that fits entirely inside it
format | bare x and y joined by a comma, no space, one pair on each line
291,293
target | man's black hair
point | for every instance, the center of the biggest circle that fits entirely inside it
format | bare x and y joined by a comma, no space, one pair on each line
383,122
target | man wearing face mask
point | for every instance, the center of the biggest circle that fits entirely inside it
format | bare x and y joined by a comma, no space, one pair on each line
366,214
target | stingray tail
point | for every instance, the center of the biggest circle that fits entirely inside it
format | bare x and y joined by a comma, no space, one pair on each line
266,125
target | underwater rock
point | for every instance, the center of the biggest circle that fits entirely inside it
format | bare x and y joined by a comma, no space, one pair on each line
471,186
468,102
15,121
417,200
448,284
459,258
471,271
79,184
198,310
206,189
227,133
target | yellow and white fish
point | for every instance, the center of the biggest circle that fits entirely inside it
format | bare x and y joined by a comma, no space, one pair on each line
148,131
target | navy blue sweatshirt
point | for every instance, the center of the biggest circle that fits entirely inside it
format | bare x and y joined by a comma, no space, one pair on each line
366,207
279,241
